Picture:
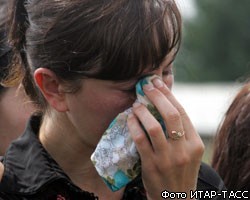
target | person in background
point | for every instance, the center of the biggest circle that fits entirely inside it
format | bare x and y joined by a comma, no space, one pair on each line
231,157
81,61
15,109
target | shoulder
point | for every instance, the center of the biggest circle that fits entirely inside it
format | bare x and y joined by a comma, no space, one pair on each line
209,179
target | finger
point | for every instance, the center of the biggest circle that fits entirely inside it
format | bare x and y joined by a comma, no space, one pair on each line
139,137
190,133
152,127
166,109
186,122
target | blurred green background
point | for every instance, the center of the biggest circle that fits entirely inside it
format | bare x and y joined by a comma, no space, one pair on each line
216,42
215,46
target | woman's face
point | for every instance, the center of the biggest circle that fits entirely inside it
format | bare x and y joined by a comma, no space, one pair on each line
98,102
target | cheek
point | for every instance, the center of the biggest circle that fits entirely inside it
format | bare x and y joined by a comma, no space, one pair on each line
95,112
108,107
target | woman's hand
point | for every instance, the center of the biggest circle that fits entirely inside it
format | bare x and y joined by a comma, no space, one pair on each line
167,164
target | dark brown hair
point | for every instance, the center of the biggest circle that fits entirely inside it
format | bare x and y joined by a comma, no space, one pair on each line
5,49
103,39
231,156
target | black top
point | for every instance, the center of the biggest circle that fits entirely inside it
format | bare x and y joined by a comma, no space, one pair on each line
30,173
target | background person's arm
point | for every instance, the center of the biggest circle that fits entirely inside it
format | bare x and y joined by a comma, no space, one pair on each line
1,171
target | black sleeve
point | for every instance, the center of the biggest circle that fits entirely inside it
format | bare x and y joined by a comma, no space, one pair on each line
210,178
4,197
210,183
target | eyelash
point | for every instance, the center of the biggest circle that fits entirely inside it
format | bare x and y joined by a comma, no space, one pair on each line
168,72
129,90
164,73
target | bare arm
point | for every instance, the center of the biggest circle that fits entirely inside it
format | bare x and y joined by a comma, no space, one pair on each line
1,171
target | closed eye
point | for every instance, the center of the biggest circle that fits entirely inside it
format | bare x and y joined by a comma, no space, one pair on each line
168,72
129,90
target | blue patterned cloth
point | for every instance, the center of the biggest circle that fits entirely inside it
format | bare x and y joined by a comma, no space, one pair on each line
115,157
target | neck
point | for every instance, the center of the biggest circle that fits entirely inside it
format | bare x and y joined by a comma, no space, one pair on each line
61,140
73,155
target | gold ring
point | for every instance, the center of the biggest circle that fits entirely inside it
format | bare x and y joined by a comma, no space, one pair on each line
176,135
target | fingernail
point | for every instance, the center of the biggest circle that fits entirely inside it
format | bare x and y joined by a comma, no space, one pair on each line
158,83
136,104
148,87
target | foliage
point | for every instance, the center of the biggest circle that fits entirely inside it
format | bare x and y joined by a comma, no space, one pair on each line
216,42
